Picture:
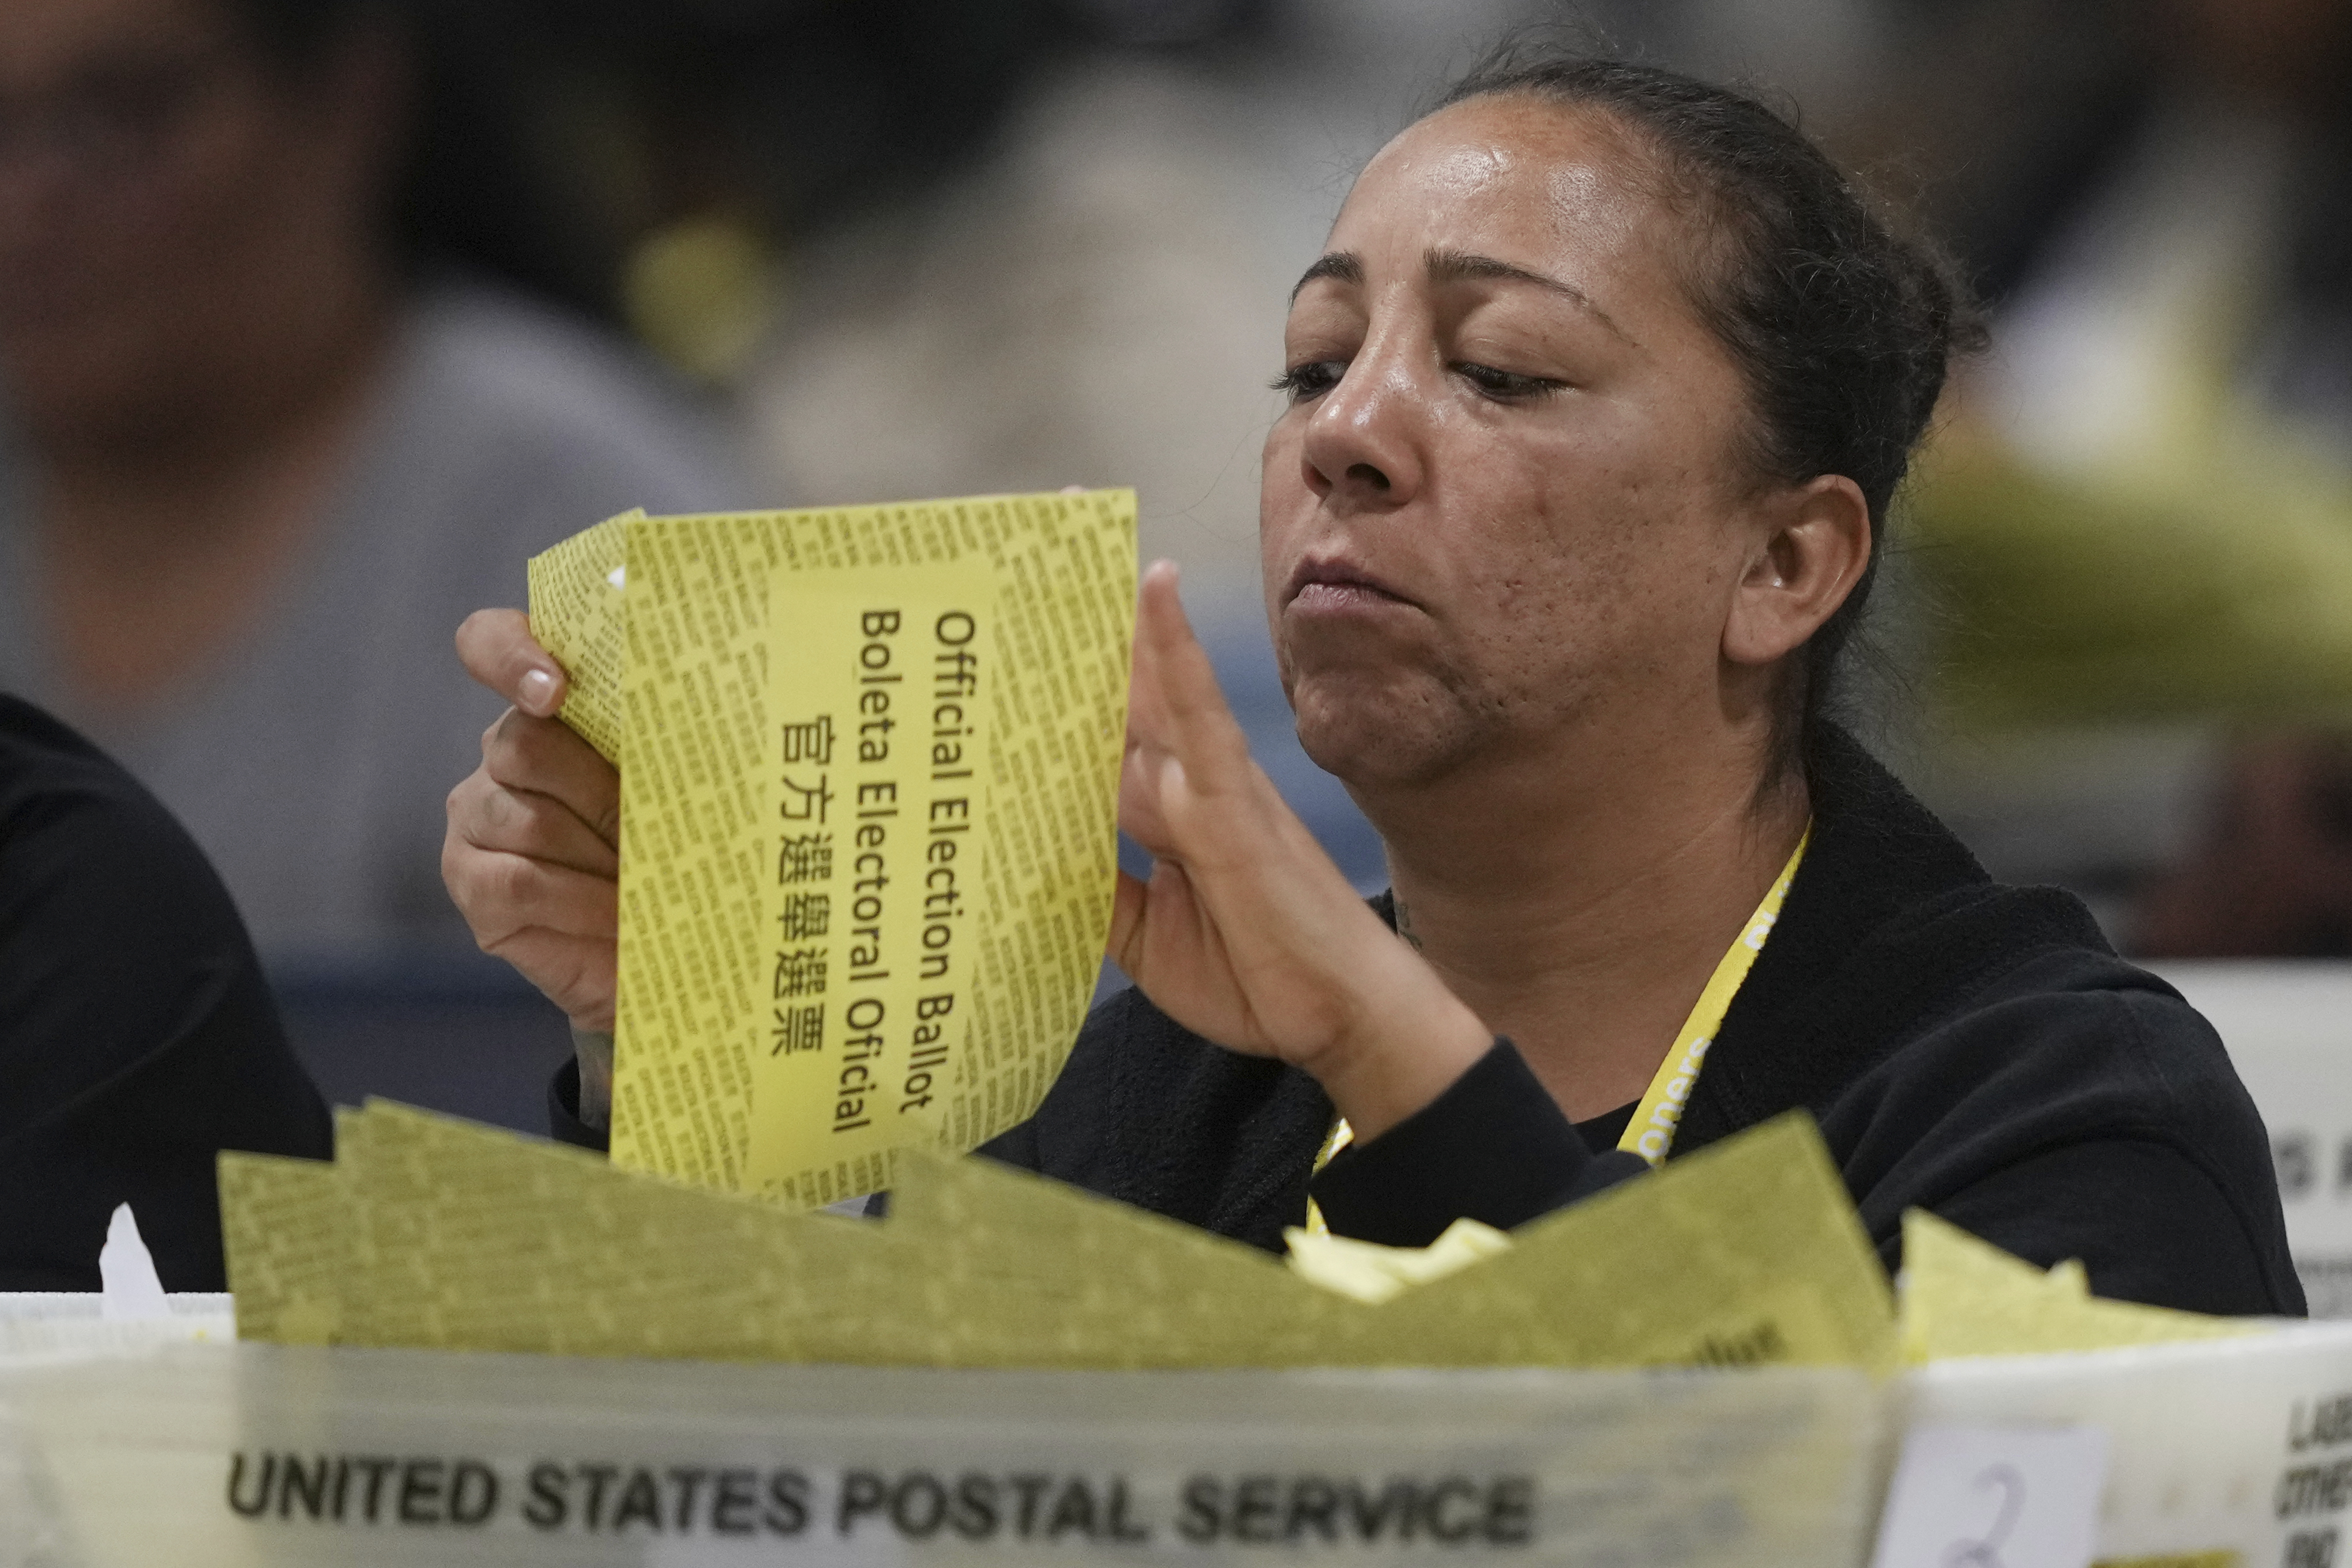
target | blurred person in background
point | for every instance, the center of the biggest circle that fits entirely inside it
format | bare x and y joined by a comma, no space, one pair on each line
275,408
2142,521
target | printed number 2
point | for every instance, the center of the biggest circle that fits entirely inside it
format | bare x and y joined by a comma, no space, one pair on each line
1985,1552
1985,1495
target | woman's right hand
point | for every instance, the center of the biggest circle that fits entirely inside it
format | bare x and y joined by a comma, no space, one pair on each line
532,855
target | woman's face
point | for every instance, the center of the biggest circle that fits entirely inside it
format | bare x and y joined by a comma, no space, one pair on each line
1504,516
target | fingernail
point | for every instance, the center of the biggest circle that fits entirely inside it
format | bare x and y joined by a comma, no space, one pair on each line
537,691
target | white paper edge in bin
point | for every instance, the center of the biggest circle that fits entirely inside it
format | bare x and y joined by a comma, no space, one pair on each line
128,1288
1980,1496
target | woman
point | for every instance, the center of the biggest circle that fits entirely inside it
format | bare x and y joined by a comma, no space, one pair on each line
1599,394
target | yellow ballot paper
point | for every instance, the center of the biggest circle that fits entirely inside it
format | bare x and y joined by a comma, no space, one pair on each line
1963,1297
1370,1272
576,615
1747,1252
868,805
430,1232
286,1232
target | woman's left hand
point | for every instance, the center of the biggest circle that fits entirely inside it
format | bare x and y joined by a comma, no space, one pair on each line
1246,934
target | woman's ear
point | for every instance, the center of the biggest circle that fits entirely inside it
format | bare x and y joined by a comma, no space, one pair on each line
1815,542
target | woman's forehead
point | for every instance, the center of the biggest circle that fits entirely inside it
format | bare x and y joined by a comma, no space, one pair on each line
1541,174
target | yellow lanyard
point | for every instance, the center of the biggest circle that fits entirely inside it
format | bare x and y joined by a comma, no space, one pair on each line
1651,1133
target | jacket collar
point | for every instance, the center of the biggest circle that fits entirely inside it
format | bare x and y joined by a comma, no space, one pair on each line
1889,920
1889,917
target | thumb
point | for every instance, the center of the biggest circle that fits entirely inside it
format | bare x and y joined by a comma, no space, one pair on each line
498,651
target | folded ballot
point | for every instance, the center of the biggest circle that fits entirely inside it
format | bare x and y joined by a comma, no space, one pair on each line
869,762
1964,1297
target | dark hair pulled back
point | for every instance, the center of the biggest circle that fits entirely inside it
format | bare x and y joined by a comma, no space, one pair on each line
1842,326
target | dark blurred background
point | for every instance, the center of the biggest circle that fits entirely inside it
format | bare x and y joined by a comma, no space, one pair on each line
318,316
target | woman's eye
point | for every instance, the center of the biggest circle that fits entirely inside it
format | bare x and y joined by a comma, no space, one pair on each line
1303,381
1507,385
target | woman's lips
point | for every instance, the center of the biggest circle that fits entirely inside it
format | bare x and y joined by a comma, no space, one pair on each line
1333,588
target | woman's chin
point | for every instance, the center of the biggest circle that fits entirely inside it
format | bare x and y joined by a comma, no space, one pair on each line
1377,738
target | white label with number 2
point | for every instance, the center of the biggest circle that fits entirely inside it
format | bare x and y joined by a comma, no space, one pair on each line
1994,1496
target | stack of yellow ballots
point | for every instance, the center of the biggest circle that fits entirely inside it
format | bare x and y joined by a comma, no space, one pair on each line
432,1232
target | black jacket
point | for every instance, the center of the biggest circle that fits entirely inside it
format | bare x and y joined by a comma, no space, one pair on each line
137,1036
1967,1048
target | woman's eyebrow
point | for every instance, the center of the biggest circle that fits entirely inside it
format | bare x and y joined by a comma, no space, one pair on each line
1460,267
1341,265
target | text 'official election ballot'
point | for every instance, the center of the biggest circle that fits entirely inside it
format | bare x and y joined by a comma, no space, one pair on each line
870,763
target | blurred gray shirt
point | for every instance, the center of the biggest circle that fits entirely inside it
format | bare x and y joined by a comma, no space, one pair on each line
311,760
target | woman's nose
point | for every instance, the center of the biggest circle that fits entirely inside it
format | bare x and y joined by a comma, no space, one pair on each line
1364,444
